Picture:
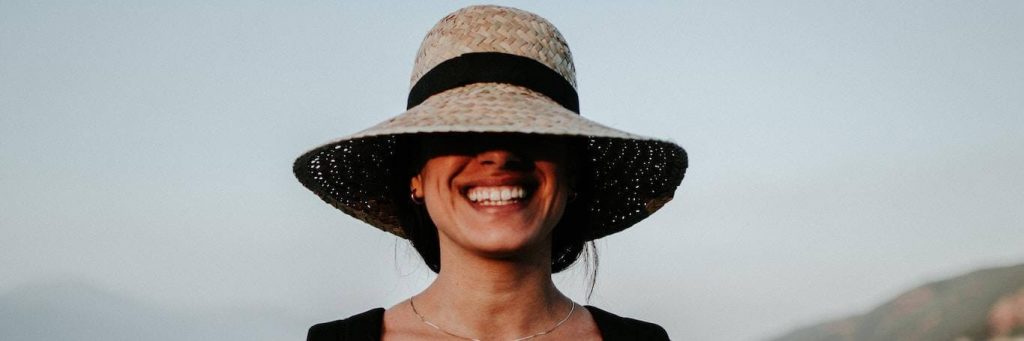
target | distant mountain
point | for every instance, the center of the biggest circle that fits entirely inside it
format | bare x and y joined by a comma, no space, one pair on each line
982,305
77,311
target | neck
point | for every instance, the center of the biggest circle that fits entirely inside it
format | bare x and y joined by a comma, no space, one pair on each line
493,298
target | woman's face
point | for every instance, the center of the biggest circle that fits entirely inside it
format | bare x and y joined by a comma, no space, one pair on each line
494,195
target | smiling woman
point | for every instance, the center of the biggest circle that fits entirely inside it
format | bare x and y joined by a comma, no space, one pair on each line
497,182
493,196
514,177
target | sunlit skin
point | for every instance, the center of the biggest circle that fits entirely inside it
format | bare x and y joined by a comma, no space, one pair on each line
517,229
495,279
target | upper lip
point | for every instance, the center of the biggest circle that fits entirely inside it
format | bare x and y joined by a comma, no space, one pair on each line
524,181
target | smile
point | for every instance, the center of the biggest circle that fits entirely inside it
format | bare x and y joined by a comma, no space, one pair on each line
496,195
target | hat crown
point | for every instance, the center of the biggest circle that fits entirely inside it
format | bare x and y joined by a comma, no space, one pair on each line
494,29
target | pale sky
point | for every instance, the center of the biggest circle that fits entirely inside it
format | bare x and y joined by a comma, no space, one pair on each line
841,152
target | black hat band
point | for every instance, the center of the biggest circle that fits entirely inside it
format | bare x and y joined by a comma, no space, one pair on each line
494,67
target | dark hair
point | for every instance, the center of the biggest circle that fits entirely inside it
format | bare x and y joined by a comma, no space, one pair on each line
568,236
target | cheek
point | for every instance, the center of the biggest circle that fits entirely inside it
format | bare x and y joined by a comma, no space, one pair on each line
439,197
437,173
435,196
560,191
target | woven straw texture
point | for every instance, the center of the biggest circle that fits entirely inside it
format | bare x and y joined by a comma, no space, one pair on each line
629,177
494,29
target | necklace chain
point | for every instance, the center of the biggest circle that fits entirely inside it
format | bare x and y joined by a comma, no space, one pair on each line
424,319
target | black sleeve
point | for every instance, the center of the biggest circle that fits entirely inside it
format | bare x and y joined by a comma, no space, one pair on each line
618,328
656,332
328,331
360,327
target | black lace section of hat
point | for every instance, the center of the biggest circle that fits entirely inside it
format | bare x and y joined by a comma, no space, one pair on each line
494,67
626,181
631,179
356,176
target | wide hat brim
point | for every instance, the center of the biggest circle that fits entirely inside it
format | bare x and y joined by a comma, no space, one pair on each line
628,178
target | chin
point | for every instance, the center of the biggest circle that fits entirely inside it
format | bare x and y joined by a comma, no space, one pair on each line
504,244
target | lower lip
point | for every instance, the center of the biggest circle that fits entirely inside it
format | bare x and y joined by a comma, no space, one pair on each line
513,206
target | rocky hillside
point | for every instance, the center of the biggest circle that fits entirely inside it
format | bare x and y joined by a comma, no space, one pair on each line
982,305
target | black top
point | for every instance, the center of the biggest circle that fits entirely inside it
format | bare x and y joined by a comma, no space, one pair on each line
367,327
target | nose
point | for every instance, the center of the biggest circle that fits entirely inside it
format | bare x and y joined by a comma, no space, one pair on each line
502,159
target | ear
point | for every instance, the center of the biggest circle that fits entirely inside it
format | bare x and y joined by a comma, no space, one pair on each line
416,186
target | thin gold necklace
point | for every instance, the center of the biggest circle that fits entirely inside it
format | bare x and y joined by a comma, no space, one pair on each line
424,319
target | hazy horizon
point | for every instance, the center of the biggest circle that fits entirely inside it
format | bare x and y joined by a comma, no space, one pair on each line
840,153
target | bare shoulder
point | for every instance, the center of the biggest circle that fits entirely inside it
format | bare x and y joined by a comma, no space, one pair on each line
580,327
400,323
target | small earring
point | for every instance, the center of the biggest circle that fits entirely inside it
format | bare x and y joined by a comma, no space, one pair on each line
573,196
412,196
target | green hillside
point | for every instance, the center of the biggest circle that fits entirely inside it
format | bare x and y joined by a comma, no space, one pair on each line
982,305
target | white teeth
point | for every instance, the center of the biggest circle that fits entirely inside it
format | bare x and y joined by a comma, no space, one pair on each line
496,195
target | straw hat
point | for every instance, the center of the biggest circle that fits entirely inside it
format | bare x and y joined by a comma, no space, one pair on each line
491,69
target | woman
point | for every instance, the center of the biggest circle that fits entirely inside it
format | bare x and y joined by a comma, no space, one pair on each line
497,182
